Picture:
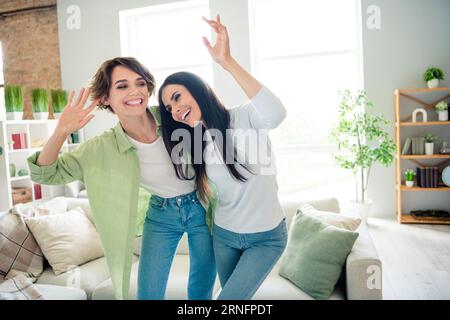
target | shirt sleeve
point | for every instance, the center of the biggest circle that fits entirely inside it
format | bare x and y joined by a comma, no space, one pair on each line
67,168
264,111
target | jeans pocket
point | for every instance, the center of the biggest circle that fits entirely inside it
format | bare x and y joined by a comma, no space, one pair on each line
157,203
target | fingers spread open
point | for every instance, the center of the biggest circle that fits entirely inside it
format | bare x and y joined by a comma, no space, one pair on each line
69,102
91,107
86,120
84,98
80,96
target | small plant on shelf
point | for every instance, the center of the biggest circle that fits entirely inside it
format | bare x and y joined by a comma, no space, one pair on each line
429,143
14,102
39,103
430,138
432,76
410,175
441,109
59,101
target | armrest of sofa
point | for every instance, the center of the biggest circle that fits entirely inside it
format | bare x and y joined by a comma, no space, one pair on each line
363,269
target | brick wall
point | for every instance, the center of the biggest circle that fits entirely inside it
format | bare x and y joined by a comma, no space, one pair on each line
30,47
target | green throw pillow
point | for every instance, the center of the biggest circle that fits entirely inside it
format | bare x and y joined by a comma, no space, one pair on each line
315,255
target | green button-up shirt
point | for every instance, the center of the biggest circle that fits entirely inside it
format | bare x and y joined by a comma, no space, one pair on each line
109,167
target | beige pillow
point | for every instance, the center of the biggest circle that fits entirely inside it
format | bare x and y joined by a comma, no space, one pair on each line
334,219
67,240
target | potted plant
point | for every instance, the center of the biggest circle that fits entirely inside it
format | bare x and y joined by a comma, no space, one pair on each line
39,103
14,102
409,177
442,110
432,76
59,101
429,143
361,142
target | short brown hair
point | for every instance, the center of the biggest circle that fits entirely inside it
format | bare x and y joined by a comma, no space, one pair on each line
101,82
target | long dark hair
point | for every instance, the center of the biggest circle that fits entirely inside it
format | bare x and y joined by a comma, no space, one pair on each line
214,116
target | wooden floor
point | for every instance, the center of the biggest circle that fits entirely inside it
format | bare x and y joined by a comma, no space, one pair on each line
415,258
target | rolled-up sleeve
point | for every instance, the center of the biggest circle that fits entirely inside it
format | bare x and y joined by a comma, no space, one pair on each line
65,169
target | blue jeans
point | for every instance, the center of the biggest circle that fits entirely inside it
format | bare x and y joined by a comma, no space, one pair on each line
166,222
245,259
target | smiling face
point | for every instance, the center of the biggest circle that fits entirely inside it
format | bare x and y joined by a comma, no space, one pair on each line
181,104
128,95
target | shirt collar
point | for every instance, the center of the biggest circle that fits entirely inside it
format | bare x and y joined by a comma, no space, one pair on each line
122,141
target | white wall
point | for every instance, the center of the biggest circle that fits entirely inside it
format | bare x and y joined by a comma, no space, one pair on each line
414,35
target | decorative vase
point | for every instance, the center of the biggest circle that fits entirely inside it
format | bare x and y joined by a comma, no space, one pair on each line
444,148
429,148
362,208
443,115
14,115
56,115
433,83
410,184
12,170
40,115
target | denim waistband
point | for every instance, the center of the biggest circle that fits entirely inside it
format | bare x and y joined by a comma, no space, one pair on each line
181,199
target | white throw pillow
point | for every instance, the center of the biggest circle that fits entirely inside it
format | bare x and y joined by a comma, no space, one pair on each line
67,240
44,207
337,220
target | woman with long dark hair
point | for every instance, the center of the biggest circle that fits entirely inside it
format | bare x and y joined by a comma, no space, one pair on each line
249,230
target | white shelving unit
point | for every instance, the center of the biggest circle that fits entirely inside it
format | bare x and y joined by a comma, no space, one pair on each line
37,133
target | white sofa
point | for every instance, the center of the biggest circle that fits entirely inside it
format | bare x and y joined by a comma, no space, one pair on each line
92,280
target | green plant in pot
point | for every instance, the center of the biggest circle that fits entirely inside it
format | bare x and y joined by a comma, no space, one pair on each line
59,101
14,102
361,142
39,103
442,110
432,76
410,175
429,143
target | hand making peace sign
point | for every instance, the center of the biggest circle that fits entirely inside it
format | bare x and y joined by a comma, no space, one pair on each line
220,52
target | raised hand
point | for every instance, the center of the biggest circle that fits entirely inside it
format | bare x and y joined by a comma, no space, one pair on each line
74,116
220,52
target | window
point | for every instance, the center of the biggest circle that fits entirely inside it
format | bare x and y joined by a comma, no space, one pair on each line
167,38
306,51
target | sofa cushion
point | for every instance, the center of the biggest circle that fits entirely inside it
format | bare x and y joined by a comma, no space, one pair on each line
86,277
315,255
19,288
176,286
42,207
337,220
276,287
67,240
51,292
19,251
